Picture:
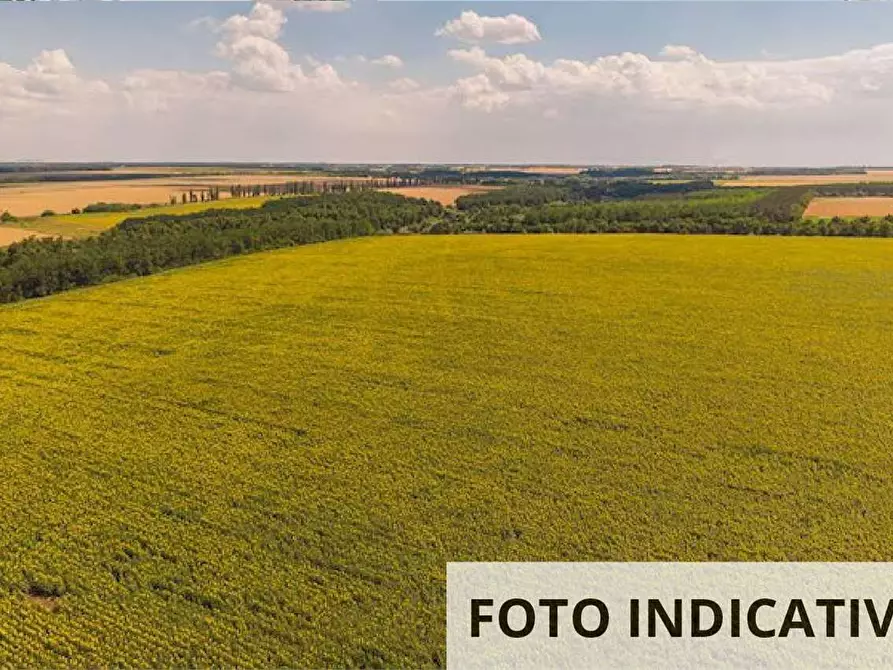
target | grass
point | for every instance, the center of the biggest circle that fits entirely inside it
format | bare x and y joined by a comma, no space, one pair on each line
85,225
267,461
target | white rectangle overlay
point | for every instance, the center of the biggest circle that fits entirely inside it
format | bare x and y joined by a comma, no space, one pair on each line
669,615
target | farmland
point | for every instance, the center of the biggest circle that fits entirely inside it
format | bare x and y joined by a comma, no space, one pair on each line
9,235
32,199
850,207
445,195
268,460
869,177
83,225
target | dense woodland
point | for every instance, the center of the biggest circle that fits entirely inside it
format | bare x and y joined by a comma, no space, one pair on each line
577,190
142,246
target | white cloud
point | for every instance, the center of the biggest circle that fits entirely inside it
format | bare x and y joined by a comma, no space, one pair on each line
389,60
259,62
313,5
157,90
404,85
688,77
49,83
478,92
471,27
679,106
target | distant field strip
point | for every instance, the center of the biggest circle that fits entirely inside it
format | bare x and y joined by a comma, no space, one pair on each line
33,199
445,195
269,460
849,207
84,225
872,176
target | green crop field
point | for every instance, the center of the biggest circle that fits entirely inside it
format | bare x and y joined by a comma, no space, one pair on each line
268,460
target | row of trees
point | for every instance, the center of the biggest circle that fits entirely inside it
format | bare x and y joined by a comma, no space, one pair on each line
136,247
579,190
141,246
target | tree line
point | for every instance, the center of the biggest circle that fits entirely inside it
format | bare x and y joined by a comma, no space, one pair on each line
142,246
579,190
137,247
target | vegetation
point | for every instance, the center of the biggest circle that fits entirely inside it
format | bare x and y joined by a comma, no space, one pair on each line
199,232
136,247
267,461
576,190
85,225
865,189
112,207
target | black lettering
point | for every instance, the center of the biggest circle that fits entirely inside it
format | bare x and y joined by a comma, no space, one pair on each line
529,617
880,629
476,617
602,620
797,609
673,626
553,606
736,618
829,606
713,629
634,617
755,630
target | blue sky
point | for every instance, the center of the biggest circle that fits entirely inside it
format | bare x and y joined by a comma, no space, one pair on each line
112,37
736,72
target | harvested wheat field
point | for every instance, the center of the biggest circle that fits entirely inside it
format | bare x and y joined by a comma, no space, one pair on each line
11,235
872,176
827,207
32,199
530,169
445,195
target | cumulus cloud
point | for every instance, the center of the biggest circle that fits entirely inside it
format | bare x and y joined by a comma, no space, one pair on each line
632,106
478,92
389,60
258,60
404,85
48,83
685,76
157,90
313,5
510,29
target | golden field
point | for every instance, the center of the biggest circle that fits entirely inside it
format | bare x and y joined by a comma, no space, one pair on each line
872,176
32,199
8,235
445,195
849,207
268,460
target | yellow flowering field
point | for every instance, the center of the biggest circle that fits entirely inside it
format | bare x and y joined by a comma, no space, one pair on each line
269,460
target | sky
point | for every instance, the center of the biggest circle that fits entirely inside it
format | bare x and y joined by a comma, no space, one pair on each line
629,82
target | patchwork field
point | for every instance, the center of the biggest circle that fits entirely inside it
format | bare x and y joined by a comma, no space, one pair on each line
32,199
808,180
445,195
849,207
530,169
84,225
267,461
